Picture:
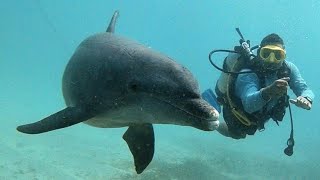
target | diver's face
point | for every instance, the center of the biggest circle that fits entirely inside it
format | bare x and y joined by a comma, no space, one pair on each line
271,66
272,56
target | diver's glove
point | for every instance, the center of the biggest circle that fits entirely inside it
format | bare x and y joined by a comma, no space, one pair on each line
277,89
302,102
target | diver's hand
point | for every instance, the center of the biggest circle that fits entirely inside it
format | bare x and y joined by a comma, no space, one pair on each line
301,102
276,89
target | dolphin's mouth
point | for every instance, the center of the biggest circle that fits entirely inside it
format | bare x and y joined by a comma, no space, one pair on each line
198,109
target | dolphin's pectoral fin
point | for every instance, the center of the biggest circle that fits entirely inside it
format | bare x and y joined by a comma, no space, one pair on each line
140,139
113,21
64,118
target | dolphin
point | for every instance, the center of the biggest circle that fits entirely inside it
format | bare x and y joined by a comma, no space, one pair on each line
113,82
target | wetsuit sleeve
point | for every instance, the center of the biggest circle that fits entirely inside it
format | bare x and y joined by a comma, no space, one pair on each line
247,88
298,84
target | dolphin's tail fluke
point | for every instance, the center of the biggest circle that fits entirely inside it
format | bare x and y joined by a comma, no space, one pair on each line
113,21
64,118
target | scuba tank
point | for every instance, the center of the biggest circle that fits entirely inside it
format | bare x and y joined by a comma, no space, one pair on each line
232,63
237,59
241,57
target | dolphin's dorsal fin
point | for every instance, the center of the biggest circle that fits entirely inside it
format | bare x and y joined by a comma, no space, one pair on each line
113,21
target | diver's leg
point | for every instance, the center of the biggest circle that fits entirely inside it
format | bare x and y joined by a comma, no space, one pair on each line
229,126
223,129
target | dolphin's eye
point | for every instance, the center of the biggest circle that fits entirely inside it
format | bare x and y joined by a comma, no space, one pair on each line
189,95
133,87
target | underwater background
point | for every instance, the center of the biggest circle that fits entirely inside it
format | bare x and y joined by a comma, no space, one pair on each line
37,38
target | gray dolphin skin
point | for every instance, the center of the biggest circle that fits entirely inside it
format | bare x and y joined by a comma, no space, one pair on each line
113,82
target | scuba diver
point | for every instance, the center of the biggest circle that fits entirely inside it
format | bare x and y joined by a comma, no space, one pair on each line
253,88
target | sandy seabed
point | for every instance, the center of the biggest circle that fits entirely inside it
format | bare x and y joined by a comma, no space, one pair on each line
89,153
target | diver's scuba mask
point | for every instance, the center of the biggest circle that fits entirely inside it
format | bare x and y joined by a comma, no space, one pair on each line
272,53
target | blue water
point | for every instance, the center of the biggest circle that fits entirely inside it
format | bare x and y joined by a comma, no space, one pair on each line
38,37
